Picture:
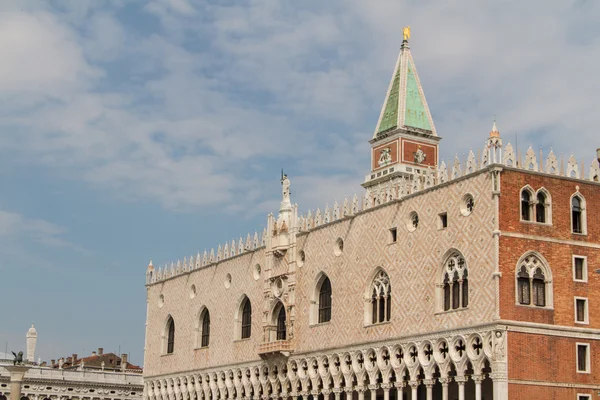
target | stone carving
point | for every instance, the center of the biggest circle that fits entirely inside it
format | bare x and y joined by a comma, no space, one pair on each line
419,155
385,157
498,351
18,358
285,187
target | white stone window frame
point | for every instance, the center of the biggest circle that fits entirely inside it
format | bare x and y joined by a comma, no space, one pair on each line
583,213
198,329
585,268
549,292
368,297
588,360
586,318
547,206
164,338
452,253
464,210
584,396
237,318
532,198
314,299
440,225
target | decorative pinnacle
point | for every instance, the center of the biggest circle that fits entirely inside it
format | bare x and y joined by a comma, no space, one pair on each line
494,132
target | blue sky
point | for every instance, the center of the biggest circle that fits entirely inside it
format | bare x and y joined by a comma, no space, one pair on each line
134,129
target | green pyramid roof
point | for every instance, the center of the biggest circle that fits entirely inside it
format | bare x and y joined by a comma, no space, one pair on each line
405,105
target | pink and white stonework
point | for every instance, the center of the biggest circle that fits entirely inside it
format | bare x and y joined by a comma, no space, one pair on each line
398,293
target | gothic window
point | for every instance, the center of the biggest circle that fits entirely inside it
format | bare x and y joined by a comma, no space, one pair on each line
205,336
523,286
381,298
526,208
542,208
170,335
577,214
325,301
455,283
534,286
246,319
539,288
281,324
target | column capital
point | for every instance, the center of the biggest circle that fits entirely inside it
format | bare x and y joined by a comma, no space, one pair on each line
429,382
400,385
325,392
360,389
460,379
373,387
386,386
337,390
413,384
477,378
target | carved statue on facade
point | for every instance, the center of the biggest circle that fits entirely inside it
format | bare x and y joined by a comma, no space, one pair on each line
385,157
419,155
285,187
18,358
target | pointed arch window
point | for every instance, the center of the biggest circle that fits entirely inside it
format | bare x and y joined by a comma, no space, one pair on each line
526,206
205,336
534,286
541,208
281,324
325,301
170,336
577,215
246,319
381,299
455,283
523,286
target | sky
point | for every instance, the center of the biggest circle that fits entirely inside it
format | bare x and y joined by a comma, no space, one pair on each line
133,130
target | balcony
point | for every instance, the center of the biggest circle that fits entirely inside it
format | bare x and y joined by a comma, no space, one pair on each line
279,347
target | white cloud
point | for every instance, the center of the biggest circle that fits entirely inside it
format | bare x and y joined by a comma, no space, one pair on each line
192,114
14,225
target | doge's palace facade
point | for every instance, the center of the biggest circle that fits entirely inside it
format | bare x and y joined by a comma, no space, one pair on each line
399,293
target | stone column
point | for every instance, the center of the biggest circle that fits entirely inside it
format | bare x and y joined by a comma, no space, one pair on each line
444,382
373,389
361,392
429,385
477,379
386,391
326,393
399,386
349,393
337,393
413,389
17,372
461,386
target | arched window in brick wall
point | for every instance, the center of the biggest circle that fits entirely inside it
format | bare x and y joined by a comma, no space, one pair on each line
455,282
534,283
526,204
543,207
578,214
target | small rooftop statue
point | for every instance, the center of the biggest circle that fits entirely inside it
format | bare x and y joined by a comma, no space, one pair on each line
18,358
406,33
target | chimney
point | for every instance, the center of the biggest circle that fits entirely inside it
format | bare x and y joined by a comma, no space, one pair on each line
74,358
52,362
598,154
93,353
124,359
100,351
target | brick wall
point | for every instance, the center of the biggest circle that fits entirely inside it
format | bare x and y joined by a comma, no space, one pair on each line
542,358
555,243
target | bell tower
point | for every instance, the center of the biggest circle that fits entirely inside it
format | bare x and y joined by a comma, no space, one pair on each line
405,142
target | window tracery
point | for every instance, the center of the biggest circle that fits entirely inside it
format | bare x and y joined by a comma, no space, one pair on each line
455,283
381,298
578,220
533,283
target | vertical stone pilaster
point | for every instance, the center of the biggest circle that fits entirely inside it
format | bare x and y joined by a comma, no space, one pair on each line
17,372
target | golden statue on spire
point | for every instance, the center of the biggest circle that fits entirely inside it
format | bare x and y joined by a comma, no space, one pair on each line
406,33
